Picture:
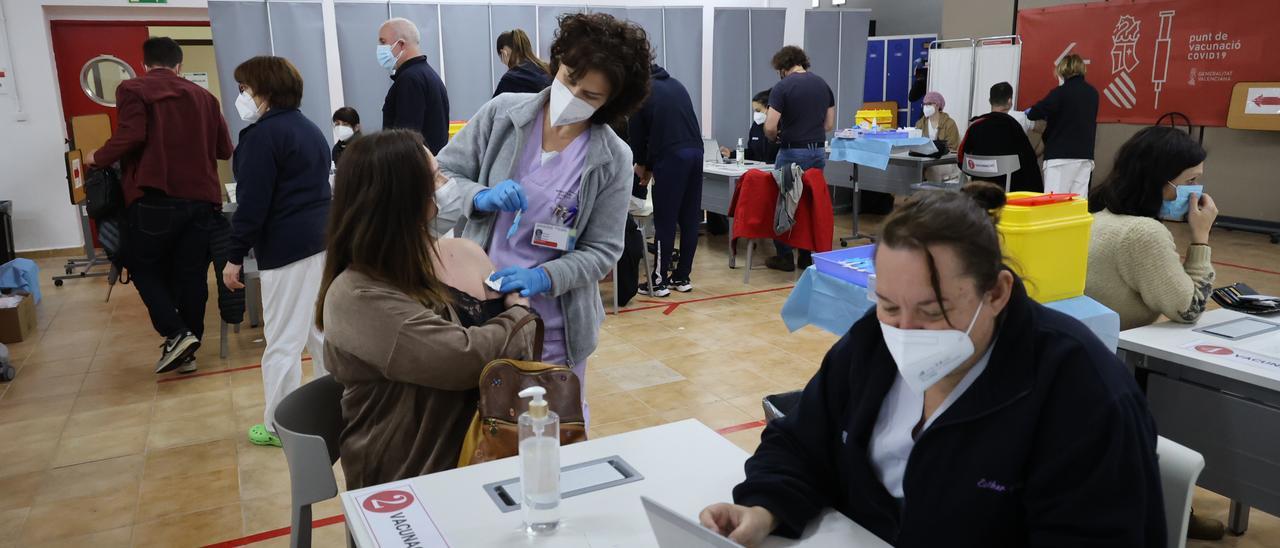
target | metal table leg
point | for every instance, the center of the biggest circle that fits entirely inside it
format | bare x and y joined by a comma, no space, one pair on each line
1238,518
857,205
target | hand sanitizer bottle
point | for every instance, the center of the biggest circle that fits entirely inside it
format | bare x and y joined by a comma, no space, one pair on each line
539,464
742,152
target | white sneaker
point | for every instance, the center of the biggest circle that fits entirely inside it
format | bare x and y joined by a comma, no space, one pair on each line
187,367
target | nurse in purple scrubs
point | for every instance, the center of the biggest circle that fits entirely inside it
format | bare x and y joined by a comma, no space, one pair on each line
543,182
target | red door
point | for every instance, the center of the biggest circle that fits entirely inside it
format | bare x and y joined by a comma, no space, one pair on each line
76,42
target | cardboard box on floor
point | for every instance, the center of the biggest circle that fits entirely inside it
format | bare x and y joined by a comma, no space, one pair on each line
17,318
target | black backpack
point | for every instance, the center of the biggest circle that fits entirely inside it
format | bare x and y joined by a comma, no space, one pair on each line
104,195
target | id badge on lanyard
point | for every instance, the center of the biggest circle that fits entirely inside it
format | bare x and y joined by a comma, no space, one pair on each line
558,235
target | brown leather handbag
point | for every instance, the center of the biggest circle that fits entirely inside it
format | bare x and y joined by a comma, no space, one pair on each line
494,432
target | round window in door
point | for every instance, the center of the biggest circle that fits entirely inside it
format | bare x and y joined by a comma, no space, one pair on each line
100,76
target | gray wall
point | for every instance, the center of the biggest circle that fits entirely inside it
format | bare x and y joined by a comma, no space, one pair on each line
744,41
1240,171
894,17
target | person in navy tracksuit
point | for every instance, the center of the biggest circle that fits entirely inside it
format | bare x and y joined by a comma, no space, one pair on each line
666,142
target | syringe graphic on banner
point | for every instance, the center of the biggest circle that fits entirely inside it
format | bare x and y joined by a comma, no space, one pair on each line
1160,64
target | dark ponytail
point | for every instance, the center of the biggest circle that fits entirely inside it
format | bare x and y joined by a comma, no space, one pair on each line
964,220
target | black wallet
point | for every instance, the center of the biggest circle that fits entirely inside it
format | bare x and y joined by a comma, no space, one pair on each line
1235,297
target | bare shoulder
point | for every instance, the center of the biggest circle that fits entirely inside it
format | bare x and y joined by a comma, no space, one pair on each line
464,251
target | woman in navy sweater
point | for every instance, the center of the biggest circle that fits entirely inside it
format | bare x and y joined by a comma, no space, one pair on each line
960,413
281,169
525,72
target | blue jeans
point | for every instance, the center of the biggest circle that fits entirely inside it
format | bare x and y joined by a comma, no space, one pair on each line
806,158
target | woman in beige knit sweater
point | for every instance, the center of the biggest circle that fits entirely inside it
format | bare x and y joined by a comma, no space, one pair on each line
1134,265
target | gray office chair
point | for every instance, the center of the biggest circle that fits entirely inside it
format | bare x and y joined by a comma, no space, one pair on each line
309,422
1179,468
982,167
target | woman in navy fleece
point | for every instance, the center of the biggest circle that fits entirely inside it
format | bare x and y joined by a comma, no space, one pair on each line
282,195
962,413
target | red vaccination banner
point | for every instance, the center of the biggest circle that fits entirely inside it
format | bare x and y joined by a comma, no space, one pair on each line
1147,58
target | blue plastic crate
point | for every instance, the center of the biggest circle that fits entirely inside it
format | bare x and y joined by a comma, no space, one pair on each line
852,265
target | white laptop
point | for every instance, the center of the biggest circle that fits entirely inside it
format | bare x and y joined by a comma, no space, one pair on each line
711,151
676,531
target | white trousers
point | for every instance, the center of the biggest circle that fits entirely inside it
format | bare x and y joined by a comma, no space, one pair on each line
1067,176
289,313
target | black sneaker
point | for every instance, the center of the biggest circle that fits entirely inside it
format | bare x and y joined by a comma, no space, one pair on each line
781,262
175,351
659,288
683,286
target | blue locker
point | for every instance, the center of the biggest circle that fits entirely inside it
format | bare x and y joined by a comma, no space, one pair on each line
873,84
897,74
918,52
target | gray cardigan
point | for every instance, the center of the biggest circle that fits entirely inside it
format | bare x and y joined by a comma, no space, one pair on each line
484,154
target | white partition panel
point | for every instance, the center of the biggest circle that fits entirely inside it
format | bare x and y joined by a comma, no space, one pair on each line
994,64
951,74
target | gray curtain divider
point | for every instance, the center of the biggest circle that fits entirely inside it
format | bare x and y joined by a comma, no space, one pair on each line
854,26
766,39
467,53
743,45
427,17
297,31
503,18
548,17
239,32
364,83
682,32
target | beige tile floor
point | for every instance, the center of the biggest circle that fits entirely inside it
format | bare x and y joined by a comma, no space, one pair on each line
95,452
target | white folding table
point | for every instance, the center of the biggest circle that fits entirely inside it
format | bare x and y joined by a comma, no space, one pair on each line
1220,397
686,466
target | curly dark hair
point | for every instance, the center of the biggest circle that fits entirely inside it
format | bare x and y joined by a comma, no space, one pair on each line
790,56
618,49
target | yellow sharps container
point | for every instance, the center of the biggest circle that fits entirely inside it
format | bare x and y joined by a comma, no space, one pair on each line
1046,239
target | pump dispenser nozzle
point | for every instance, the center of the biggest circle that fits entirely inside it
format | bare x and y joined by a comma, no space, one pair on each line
537,407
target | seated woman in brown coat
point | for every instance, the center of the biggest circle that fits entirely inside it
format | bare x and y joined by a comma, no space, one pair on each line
408,324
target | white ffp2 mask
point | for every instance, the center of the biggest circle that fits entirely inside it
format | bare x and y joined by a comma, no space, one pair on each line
342,133
930,110
247,108
925,356
758,118
565,107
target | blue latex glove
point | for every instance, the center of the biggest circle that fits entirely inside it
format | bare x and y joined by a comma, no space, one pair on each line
528,281
507,196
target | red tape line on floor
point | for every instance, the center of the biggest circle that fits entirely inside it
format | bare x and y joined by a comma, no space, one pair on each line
211,373
284,531
740,427
274,533
670,307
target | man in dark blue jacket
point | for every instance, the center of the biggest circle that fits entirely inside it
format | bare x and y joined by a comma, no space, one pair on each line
1052,445
666,142
417,99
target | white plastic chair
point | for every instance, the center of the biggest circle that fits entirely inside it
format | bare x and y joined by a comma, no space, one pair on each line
996,166
1180,466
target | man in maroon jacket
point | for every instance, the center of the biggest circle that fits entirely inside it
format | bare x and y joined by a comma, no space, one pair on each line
170,134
